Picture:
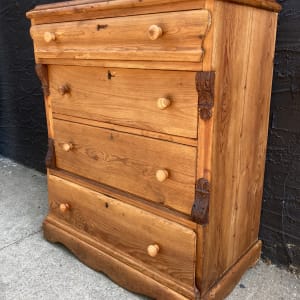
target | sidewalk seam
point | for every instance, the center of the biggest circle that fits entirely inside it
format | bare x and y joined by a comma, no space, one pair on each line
20,240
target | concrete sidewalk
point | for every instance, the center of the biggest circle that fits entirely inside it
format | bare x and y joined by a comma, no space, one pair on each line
33,269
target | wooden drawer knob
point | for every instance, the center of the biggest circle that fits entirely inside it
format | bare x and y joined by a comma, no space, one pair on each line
67,147
163,103
162,175
153,250
64,89
155,32
64,207
49,36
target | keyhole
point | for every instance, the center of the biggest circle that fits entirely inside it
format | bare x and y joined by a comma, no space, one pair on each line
99,26
110,75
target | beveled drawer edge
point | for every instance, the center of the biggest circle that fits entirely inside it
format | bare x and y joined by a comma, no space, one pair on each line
151,207
129,130
117,8
52,12
98,4
133,64
120,256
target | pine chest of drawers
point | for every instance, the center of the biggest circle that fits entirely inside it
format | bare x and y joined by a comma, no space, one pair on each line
157,117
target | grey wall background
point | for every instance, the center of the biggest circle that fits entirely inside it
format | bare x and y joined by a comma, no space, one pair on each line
23,132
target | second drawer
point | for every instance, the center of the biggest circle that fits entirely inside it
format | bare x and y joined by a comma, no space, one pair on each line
159,171
154,100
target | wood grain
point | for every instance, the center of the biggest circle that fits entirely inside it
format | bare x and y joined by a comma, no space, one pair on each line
104,258
133,64
152,207
239,134
271,5
136,131
109,220
102,94
81,9
231,278
126,38
131,140
103,4
62,12
129,162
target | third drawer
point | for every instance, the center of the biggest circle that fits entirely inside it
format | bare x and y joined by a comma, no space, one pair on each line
156,170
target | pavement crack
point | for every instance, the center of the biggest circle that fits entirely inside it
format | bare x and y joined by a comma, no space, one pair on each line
21,240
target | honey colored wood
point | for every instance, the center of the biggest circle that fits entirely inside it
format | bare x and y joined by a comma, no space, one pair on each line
96,256
42,73
153,65
204,152
126,38
82,10
208,42
102,94
104,156
271,5
136,131
241,115
103,4
101,9
106,219
231,278
105,258
136,137
139,202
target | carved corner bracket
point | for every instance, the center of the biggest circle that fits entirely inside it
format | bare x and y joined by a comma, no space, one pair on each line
201,205
205,82
50,160
42,73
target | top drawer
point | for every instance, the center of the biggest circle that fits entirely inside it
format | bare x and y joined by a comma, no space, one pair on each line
173,36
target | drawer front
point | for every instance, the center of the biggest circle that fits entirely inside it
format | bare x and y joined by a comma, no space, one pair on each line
173,36
160,101
156,170
133,231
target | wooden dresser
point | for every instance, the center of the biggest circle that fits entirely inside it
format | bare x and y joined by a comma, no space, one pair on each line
157,117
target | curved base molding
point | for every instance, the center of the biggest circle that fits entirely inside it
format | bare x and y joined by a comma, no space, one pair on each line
122,274
134,280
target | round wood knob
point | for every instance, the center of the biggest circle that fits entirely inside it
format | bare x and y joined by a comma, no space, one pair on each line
49,36
163,103
153,250
64,89
155,32
67,147
63,207
162,175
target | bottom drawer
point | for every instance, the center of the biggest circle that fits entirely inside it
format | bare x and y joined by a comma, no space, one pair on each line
163,245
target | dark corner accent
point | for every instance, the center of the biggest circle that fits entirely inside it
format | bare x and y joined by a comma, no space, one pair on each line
42,73
50,157
205,87
201,205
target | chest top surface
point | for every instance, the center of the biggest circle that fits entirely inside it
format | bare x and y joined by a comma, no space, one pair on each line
85,9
